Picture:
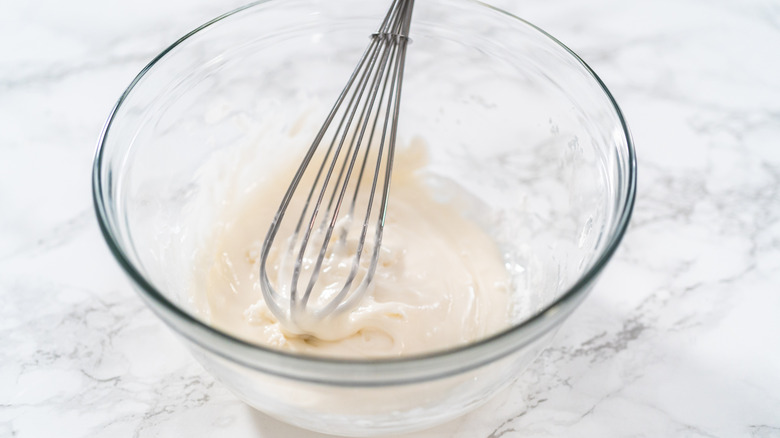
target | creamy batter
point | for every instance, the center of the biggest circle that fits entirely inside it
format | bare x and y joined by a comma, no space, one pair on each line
441,280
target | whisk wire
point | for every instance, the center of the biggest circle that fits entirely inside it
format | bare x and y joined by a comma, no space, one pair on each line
372,89
334,303
346,171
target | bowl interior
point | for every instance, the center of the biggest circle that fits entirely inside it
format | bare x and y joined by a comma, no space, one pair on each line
508,115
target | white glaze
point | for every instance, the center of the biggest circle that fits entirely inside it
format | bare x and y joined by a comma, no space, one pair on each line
441,280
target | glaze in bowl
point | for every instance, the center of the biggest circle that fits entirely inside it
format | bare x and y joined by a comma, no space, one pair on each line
509,114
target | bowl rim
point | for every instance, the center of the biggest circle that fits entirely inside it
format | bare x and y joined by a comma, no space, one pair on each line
366,372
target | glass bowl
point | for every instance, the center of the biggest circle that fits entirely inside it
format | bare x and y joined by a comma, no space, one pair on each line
509,114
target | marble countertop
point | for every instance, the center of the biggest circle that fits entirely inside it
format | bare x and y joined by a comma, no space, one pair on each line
681,337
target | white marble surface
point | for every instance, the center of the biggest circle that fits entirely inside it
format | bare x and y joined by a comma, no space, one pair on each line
680,338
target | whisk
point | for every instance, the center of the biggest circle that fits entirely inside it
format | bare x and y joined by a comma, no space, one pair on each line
355,155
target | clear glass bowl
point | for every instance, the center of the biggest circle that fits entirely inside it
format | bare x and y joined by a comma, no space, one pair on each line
509,114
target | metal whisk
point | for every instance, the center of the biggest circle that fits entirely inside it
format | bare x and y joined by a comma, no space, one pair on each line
356,156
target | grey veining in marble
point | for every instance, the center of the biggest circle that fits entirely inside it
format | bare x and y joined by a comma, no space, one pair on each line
680,337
